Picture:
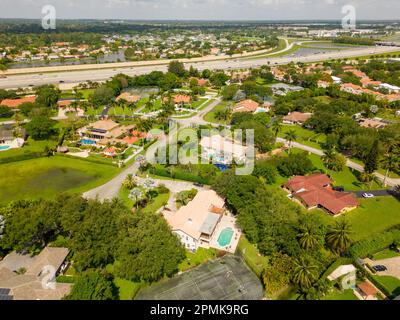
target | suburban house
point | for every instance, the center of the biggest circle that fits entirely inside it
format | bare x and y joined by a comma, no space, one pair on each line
103,132
246,106
222,150
15,103
297,118
323,84
37,282
126,96
366,290
372,123
278,74
182,99
201,222
315,191
281,89
8,139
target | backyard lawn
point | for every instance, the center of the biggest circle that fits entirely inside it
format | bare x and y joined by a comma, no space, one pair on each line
251,255
30,146
46,177
201,256
341,295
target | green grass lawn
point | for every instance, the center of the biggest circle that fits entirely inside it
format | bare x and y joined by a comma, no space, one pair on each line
210,116
341,295
252,256
198,103
46,177
30,146
127,289
159,201
69,95
391,284
304,136
206,104
201,256
385,254
373,216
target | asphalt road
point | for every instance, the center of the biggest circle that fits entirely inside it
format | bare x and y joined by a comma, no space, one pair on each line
75,77
376,193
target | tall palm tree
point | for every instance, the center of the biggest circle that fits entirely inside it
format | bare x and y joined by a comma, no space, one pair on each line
277,127
390,162
339,236
304,273
290,136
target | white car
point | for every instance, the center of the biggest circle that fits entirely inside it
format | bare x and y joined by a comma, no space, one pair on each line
368,195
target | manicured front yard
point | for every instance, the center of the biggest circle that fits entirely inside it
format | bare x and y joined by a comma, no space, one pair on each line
391,284
385,254
159,201
304,136
46,177
210,116
373,216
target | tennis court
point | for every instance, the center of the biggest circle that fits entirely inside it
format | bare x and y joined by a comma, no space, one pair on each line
227,278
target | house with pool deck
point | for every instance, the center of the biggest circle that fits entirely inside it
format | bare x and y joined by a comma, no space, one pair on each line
205,222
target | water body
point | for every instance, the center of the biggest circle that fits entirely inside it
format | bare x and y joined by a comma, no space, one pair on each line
107,58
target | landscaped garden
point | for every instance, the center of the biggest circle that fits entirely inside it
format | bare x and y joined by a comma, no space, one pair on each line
212,116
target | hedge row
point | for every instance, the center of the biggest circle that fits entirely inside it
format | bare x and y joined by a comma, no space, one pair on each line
375,244
65,279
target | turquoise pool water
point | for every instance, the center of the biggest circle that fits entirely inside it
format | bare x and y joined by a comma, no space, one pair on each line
3,148
225,237
88,141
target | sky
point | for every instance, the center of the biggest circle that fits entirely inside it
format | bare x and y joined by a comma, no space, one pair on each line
202,9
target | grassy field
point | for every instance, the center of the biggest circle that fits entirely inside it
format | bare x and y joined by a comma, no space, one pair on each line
373,216
304,136
391,284
210,116
251,256
30,146
201,256
46,177
338,295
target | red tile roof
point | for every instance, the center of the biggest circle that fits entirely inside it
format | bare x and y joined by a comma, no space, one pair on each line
246,106
314,190
180,98
367,288
297,117
14,103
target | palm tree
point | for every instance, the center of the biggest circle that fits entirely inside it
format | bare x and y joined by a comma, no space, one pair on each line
129,182
308,238
290,136
339,236
277,127
135,195
304,273
390,162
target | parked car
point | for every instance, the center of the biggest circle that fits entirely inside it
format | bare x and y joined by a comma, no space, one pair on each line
340,189
197,184
368,195
379,268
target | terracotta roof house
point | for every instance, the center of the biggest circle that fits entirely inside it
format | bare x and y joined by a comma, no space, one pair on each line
367,290
15,103
297,118
201,82
128,97
246,106
110,152
182,99
315,191
33,285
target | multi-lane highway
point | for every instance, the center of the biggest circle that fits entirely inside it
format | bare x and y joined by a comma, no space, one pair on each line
75,77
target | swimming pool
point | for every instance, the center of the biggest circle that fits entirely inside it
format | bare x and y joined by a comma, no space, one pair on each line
225,237
88,141
4,148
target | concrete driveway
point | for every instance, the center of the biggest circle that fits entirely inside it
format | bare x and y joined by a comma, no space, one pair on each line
376,193
392,265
